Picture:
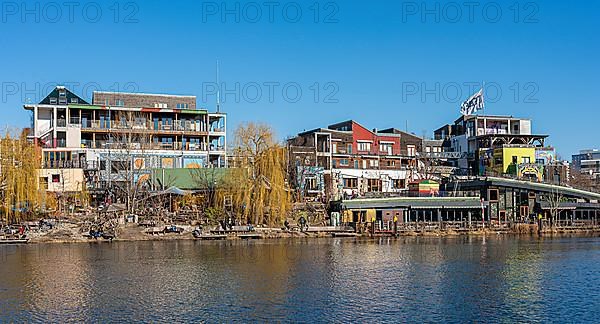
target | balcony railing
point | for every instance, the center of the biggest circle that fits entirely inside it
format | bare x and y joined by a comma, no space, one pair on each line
70,164
179,125
61,123
100,144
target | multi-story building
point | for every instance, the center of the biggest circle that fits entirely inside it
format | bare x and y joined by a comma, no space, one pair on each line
486,144
349,159
587,162
120,132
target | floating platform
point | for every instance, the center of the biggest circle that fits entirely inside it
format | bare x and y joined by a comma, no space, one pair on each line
211,237
250,236
14,241
344,234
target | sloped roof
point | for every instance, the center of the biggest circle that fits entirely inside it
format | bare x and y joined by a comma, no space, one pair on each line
68,95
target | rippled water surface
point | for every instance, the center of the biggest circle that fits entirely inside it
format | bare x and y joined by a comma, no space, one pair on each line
500,278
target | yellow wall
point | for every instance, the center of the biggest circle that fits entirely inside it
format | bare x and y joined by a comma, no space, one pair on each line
71,180
508,152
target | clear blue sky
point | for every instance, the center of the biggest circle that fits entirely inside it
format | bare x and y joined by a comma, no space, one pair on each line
383,63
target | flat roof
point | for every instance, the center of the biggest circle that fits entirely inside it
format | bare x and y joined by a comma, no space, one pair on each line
414,202
144,94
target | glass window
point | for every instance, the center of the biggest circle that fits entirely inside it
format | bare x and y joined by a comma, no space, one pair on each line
364,146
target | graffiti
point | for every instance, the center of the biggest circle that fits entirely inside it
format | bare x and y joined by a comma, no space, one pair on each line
310,178
545,156
530,171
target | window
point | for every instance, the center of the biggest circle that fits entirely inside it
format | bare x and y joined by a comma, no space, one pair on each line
53,100
386,148
514,159
119,103
391,163
44,182
427,149
525,160
350,183
493,195
160,105
333,147
399,183
356,164
411,150
374,185
364,146
344,162
182,106
74,100
349,148
374,163
56,178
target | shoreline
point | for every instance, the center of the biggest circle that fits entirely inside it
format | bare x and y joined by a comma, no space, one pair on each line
187,236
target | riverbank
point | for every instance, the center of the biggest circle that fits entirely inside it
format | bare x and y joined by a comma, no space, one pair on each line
71,233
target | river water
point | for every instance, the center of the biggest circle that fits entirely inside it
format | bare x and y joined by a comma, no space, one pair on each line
492,279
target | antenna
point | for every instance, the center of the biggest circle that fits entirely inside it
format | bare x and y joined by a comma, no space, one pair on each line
218,89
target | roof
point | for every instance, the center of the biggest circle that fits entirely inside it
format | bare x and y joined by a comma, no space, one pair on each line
189,179
69,95
414,202
390,131
522,184
143,94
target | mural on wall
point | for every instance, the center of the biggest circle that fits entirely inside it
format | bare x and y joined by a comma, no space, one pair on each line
193,163
141,178
305,173
139,163
168,162
534,171
486,160
545,156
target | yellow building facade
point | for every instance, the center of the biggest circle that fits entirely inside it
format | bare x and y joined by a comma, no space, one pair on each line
507,158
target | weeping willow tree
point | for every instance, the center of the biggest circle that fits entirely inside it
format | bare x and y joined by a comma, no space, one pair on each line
257,181
19,194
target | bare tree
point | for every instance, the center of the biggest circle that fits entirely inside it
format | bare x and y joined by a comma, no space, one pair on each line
127,157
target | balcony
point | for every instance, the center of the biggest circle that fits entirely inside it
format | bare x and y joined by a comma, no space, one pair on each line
179,146
61,123
69,164
150,126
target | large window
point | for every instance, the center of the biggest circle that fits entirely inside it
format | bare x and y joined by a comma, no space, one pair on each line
386,148
350,182
399,183
411,150
374,185
364,146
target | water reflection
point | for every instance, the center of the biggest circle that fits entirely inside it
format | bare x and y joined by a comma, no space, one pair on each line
499,278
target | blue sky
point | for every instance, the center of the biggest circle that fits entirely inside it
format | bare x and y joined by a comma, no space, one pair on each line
385,64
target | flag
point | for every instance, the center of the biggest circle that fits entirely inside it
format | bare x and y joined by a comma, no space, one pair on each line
473,104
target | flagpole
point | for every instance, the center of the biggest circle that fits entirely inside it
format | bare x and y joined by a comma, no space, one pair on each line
483,98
